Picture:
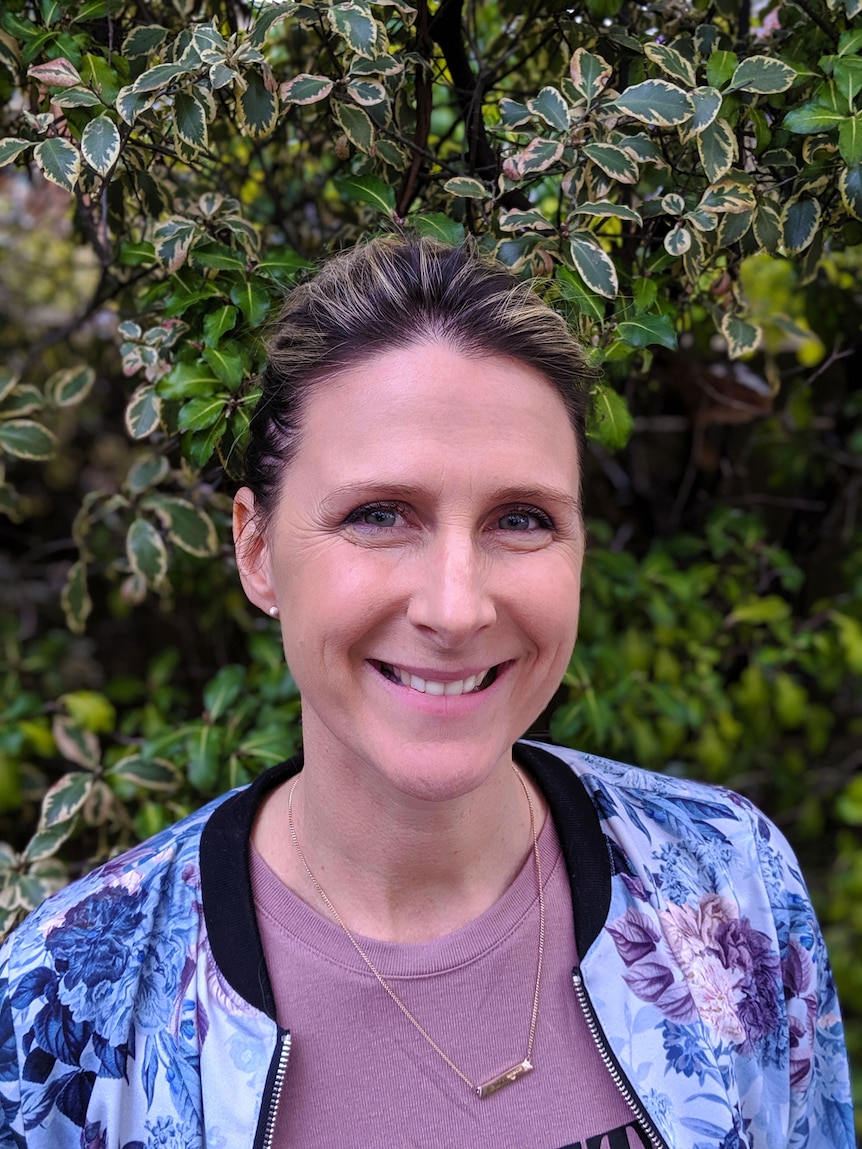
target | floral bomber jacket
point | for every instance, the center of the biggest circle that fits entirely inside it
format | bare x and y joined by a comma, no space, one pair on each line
136,1011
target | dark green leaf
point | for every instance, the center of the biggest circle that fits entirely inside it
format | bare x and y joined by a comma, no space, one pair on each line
656,102
646,330
371,190
763,75
198,414
550,106
594,266
223,691
257,106
204,755
575,291
800,221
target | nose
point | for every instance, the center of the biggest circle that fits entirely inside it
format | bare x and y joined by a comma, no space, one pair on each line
452,599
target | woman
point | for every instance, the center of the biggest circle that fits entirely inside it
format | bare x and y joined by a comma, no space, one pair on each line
426,933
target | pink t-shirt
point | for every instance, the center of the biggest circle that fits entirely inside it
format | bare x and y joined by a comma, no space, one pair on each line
360,1075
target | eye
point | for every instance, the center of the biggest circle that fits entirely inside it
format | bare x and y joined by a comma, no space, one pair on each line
379,515
525,519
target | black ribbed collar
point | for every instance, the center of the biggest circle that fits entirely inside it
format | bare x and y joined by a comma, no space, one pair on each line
226,879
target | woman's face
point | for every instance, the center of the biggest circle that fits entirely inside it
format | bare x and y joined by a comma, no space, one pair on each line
425,556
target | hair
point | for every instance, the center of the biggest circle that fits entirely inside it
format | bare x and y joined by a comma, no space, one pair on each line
394,292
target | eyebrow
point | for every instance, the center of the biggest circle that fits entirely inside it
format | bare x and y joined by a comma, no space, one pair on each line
380,488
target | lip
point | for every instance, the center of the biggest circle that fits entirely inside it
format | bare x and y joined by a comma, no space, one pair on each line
436,703
435,674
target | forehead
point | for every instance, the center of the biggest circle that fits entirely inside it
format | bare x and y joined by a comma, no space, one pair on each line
433,406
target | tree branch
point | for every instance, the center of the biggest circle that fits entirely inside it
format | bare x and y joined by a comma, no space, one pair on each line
424,105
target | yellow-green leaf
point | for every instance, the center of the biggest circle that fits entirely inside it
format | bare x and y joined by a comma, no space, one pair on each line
610,422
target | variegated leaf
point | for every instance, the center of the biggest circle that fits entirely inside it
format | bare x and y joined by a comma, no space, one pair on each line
27,440
58,73
74,743
613,161
799,222
69,386
620,211
146,472
65,799
671,62
594,266
11,148
130,103
59,161
190,122
763,75
550,106
100,144
727,195
367,93
257,106
767,227
392,154
850,186
358,27
172,240
678,240
75,598
143,413
718,149
514,114
146,552
656,102
187,526
517,219
707,105
733,226
589,73
466,187
8,382
154,79
376,66
742,337
639,146
24,400
672,204
76,98
702,220
143,40
357,126
306,89
148,773
537,156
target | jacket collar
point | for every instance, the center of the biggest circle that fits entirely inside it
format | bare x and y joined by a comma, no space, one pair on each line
226,880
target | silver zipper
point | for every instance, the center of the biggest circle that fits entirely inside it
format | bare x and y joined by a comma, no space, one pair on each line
643,1118
283,1053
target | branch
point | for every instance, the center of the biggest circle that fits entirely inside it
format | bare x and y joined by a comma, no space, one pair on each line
424,105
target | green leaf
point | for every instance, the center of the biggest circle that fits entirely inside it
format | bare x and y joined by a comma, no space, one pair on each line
656,102
769,608
223,691
188,380
618,210
671,62
257,106
575,291
145,473
65,799
589,74
204,755
438,226
59,162
227,364
218,256
610,422
198,414
217,323
850,140
190,528
613,161
27,440
357,27
253,300
190,122
763,75
11,148
812,116
281,265
75,598
550,106
718,150
366,92
742,337
146,552
144,411
357,125
594,266
707,105
720,67
306,89
148,773
69,386
371,190
767,227
850,186
646,330
466,187
799,222
848,78
678,240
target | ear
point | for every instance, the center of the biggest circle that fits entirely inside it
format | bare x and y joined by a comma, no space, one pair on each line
252,555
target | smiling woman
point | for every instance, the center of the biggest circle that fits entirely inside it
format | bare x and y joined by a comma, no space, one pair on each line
425,932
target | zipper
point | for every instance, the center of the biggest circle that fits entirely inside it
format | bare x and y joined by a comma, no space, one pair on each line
612,1065
272,1092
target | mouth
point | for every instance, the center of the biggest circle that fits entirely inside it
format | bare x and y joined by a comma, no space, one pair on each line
473,684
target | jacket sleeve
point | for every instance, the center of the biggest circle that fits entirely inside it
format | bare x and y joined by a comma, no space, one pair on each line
9,1063
821,1111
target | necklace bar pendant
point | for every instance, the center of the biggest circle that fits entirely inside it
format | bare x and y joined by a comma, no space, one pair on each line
505,1078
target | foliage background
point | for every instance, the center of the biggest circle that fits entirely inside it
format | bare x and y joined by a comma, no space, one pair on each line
683,180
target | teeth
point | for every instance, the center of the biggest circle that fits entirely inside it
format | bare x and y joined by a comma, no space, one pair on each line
429,686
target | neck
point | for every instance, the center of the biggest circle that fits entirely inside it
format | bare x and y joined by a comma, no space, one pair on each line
397,867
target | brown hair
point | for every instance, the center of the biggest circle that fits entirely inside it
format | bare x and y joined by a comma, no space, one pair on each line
394,292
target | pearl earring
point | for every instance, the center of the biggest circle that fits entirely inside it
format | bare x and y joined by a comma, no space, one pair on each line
273,611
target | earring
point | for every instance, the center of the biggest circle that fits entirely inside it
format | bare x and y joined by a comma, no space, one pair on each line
273,611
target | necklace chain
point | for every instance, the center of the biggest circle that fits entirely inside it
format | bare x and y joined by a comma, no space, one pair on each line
515,1072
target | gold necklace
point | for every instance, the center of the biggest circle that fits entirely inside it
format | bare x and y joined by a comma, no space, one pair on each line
508,1075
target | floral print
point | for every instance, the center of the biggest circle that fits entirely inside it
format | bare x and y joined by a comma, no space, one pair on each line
710,982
